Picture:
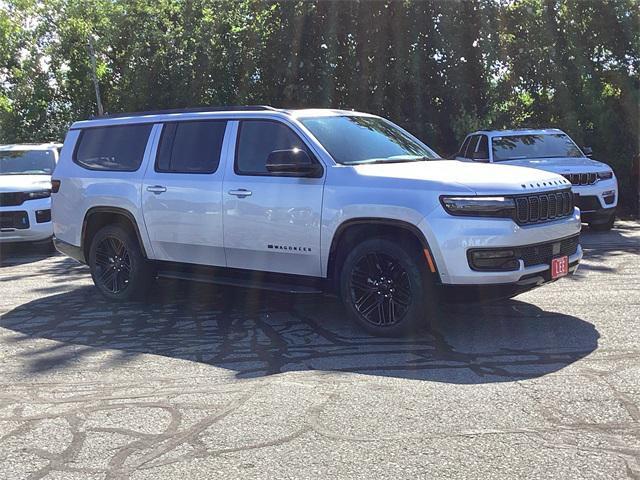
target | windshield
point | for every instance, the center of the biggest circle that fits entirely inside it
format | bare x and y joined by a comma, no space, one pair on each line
26,162
516,147
353,140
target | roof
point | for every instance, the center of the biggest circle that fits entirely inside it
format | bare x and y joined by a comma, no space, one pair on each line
260,111
29,146
518,131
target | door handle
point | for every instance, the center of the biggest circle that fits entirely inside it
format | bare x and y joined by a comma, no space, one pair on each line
156,189
240,193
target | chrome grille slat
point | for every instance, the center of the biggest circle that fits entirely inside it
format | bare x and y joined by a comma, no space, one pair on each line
541,207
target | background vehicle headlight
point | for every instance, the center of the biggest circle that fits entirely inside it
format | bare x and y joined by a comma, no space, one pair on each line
605,175
38,194
480,206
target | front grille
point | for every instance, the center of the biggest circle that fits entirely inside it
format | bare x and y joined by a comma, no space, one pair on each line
543,253
587,203
18,220
11,199
542,207
581,178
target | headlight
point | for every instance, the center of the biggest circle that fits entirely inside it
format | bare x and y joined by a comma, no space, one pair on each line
605,175
38,194
480,206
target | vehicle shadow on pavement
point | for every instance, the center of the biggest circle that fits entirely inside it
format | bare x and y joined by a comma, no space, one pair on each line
255,333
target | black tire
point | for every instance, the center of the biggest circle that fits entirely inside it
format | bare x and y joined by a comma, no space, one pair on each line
603,227
118,267
387,289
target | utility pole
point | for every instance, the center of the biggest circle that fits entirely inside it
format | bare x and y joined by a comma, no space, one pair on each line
94,75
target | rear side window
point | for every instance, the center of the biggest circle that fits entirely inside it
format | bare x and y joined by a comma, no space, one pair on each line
257,139
483,147
118,148
191,147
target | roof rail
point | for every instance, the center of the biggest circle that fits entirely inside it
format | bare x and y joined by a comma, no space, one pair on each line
243,108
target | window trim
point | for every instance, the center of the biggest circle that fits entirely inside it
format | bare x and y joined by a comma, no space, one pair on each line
162,132
268,174
74,157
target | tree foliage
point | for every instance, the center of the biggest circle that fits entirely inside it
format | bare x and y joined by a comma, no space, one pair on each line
439,68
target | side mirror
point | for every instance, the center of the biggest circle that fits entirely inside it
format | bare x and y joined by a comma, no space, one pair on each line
480,157
292,163
588,152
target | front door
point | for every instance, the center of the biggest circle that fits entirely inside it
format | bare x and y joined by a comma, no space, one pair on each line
271,223
182,193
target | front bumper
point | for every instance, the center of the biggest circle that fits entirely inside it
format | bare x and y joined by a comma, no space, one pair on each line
450,238
36,231
597,202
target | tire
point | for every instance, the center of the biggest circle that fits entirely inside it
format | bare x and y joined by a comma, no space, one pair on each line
118,267
387,289
603,227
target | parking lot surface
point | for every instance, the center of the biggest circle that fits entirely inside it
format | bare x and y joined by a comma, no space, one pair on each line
207,382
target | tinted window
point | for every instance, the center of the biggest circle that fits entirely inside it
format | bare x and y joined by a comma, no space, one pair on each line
483,147
112,148
515,147
471,147
26,162
352,139
258,139
190,147
464,146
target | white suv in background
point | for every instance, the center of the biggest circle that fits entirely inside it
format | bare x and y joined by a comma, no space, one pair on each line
305,201
25,191
594,183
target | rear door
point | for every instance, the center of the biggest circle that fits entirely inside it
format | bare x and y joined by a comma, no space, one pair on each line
271,222
182,192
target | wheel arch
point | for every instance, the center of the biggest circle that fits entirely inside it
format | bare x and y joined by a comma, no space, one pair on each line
354,230
97,217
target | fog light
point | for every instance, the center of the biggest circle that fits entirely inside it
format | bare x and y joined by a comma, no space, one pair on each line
43,216
502,260
609,197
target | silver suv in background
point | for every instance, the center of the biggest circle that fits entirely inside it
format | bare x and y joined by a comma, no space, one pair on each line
305,201
25,191
594,184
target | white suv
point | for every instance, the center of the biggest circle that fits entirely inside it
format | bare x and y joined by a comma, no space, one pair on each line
304,201
594,183
25,191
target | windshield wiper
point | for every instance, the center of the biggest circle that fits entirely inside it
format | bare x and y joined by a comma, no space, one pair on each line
398,159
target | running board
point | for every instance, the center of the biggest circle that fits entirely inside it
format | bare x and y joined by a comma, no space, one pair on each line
244,281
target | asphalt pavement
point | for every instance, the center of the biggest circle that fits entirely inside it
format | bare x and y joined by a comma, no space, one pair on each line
203,382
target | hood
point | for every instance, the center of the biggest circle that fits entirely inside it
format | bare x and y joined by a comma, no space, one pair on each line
482,178
24,183
561,164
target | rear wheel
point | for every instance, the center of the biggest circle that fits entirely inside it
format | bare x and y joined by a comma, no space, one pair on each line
118,267
386,287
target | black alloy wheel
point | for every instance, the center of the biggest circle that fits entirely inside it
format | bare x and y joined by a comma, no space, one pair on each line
118,267
112,264
387,288
380,289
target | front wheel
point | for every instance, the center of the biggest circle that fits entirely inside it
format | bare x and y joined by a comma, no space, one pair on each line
386,287
118,267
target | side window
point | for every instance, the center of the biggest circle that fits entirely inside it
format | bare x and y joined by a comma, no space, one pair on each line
463,148
190,147
257,139
483,147
471,147
119,148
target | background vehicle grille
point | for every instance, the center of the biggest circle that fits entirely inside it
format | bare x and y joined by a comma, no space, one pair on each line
18,220
581,178
11,199
543,253
543,206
